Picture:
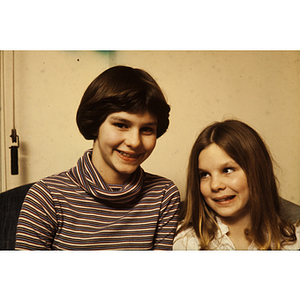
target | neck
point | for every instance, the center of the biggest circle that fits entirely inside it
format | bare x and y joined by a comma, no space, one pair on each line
238,225
240,222
237,228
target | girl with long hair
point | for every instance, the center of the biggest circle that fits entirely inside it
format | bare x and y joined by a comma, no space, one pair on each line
232,199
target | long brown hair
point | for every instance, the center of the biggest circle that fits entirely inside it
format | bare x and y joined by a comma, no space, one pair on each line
246,147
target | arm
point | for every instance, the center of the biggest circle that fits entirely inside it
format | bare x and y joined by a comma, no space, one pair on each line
186,240
168,219
37,221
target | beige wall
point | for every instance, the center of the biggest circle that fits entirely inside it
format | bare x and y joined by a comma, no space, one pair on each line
260,88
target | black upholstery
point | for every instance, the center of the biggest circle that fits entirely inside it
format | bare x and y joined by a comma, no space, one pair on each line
10,206
11,203
290,211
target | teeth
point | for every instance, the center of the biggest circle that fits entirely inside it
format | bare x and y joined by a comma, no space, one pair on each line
128,155
225,199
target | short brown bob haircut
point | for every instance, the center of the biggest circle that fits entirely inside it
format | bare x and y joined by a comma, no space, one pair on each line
121,88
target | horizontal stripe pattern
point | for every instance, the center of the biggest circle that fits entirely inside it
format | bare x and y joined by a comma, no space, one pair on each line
59,214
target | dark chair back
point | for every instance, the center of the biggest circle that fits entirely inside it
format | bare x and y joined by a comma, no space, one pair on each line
10,205
290,211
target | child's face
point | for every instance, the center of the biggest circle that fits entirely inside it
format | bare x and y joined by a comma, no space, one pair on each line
223,183
124,141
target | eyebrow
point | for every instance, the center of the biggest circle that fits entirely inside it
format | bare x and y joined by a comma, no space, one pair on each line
229,162
119,119
224,165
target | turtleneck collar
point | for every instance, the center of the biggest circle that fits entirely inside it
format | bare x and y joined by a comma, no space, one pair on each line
86,175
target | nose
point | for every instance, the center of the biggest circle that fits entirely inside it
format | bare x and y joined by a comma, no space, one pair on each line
133,139
217,183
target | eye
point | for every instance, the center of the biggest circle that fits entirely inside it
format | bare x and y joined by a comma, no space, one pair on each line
203,175
148,130
228,170
120,125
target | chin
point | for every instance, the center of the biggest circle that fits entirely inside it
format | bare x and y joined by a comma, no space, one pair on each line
128,171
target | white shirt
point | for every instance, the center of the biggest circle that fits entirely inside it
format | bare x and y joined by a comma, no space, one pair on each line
187,240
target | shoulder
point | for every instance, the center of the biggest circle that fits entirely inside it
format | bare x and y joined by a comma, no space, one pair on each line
295,245
153,180
160,187
298,233
49,185
38,200
58,181
186,240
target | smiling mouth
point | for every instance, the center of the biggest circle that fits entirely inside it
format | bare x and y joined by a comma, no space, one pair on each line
128,155
223,199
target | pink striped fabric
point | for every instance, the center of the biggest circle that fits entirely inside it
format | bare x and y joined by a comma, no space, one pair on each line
77,210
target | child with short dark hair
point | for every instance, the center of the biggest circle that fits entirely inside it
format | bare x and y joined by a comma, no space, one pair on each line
107,201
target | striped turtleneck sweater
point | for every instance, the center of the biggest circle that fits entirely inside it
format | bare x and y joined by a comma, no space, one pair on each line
77,210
